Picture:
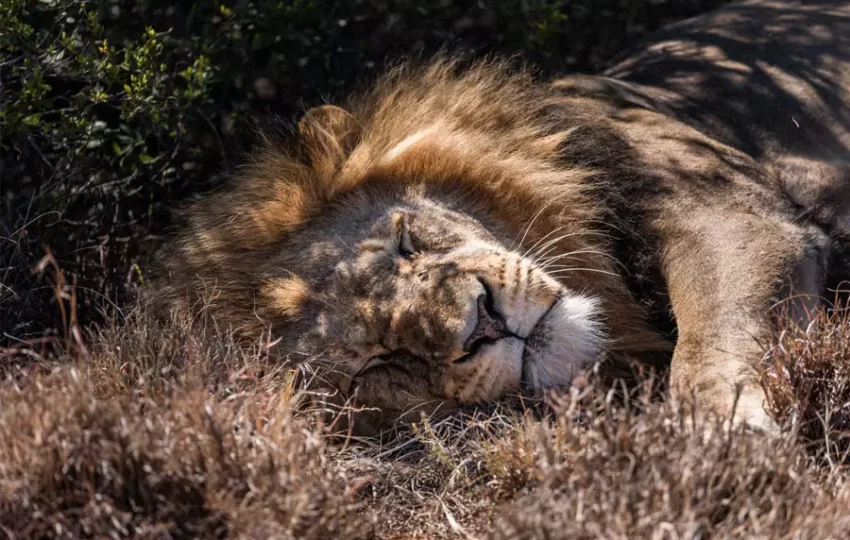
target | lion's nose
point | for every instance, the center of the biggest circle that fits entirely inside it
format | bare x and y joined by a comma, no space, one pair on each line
490,326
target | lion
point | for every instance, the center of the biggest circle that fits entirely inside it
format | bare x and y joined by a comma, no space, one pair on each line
463,231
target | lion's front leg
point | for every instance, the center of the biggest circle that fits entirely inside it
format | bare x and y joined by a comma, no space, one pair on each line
725,275
721,382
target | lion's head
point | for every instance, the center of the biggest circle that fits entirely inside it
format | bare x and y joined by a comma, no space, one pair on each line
429,243
401,288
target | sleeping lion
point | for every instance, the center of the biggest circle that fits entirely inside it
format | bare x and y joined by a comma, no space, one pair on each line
463,232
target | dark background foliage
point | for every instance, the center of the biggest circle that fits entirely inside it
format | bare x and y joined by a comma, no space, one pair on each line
113,112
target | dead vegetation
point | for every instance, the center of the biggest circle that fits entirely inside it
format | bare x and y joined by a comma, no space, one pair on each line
171,430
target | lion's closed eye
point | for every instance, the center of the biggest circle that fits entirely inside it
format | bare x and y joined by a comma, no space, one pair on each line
403,239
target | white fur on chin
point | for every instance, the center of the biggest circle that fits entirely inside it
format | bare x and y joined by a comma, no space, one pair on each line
570,340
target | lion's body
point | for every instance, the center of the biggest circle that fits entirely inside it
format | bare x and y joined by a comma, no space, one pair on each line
740,120
589,218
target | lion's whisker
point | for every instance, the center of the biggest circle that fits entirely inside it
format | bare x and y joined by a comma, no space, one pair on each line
578,269
547,262
538,251
547,235
527,227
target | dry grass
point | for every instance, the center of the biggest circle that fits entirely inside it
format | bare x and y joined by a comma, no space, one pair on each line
170,430
807,376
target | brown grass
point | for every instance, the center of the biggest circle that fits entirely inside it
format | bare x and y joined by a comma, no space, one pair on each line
170,430
807,376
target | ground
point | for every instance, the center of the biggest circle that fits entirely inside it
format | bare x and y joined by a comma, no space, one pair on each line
171,430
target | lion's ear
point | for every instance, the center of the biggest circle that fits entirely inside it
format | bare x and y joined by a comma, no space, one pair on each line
328,129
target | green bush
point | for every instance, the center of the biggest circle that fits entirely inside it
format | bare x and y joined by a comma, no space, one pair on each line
115,111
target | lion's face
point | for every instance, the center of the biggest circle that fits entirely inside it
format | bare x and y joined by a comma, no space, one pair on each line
407,299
